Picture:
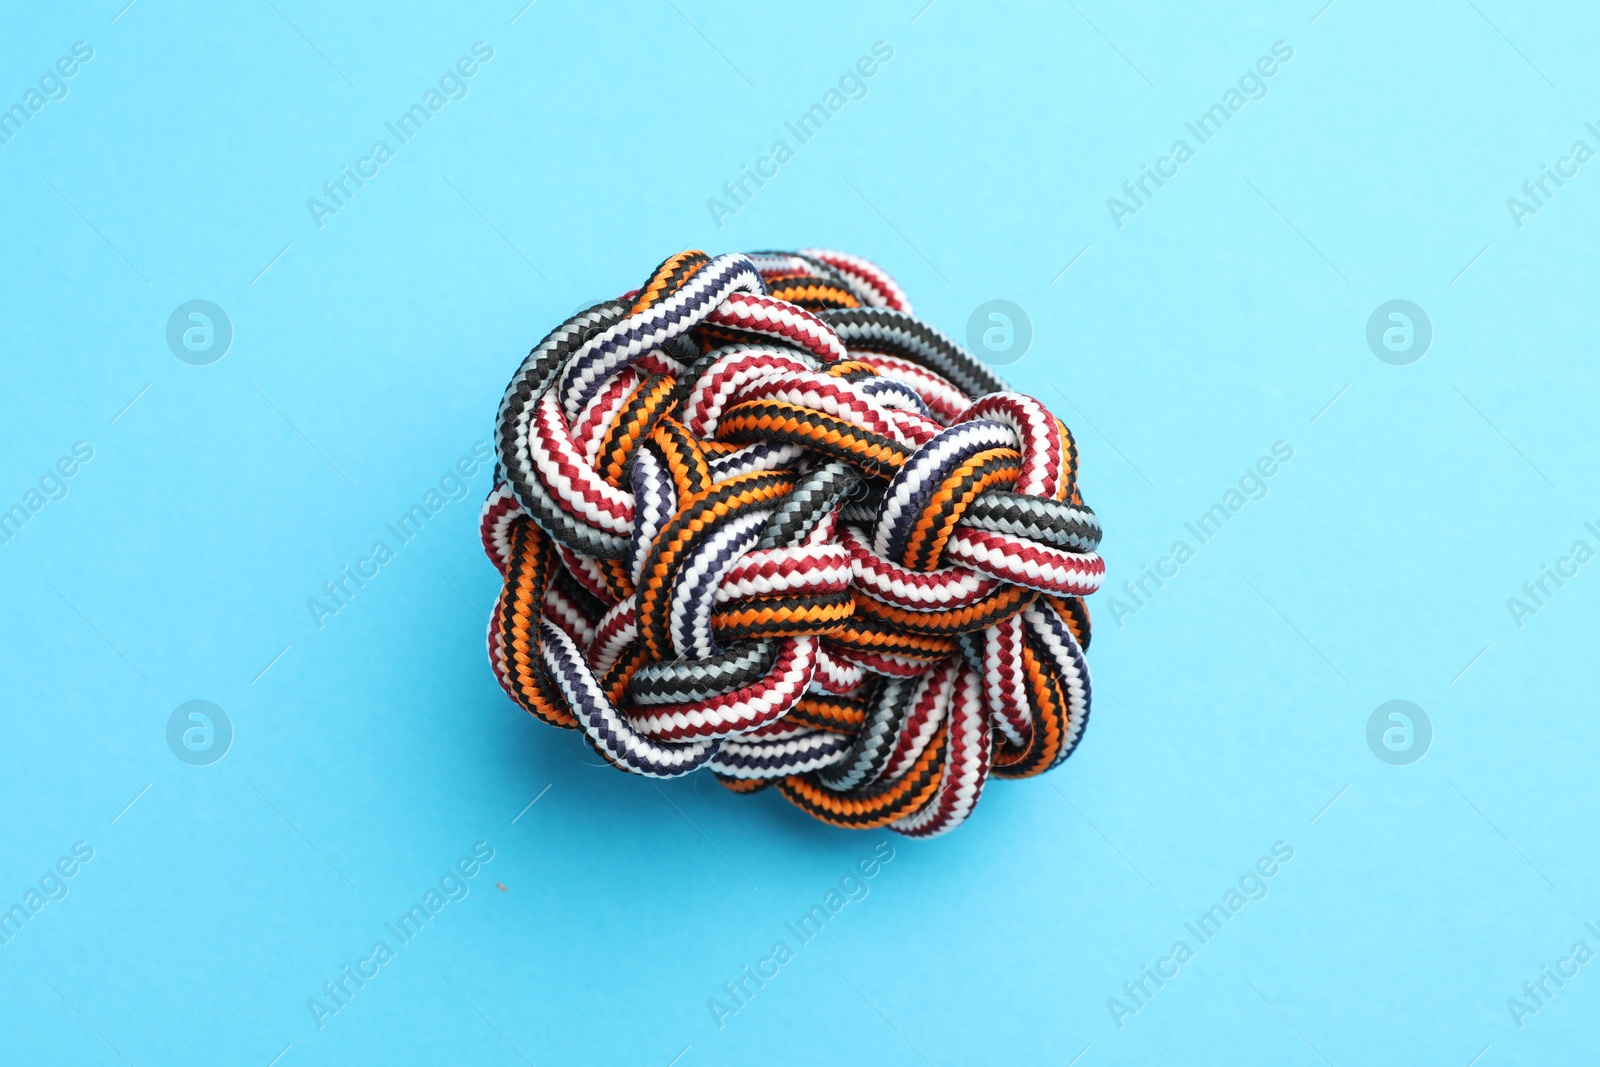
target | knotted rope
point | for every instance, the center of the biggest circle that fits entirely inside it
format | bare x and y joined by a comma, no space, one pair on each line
749,517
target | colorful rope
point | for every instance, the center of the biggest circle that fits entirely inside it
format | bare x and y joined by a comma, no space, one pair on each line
750,517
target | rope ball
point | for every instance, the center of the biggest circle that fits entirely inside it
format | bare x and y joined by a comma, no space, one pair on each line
757,517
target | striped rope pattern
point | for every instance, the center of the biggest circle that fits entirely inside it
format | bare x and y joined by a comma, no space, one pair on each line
757,517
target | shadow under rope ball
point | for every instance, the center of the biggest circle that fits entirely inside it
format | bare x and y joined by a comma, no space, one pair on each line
757,517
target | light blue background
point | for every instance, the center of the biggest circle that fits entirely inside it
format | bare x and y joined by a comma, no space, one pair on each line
1230,710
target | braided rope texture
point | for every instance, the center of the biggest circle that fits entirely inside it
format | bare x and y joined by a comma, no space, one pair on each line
757,517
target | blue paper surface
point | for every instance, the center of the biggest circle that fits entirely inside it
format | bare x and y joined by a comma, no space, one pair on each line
226,381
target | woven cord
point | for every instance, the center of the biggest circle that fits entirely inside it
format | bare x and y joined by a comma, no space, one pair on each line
756,516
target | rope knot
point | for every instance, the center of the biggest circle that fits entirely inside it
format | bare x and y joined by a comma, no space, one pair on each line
756,516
